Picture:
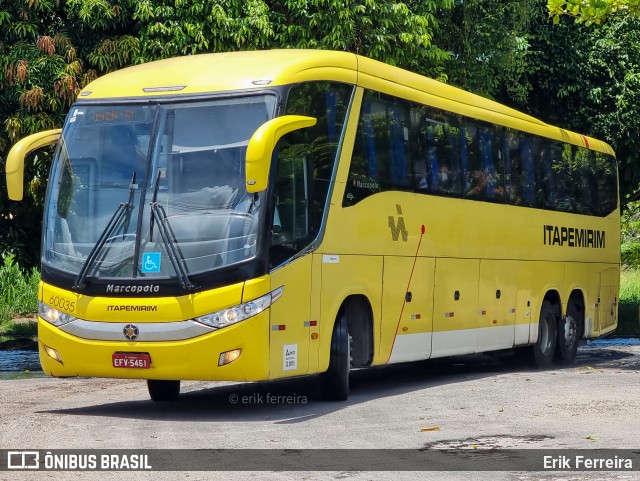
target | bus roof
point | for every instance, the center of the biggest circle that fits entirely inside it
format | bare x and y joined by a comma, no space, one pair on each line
253,70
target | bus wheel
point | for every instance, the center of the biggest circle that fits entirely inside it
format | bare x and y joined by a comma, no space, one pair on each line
335,382
567,346
162,391
544,349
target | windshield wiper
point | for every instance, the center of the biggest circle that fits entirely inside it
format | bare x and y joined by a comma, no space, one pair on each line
132,187
154,200
122,212
171,244
159,216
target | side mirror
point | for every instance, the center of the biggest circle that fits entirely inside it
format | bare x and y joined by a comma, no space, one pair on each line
15,160
262,143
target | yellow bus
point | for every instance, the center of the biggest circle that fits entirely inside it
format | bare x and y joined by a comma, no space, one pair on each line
261,215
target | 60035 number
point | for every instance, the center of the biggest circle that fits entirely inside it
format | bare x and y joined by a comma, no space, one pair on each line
62,303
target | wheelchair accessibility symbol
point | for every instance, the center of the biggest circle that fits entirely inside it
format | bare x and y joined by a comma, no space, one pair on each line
151,262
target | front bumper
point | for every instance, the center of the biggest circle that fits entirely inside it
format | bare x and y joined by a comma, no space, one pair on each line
189,359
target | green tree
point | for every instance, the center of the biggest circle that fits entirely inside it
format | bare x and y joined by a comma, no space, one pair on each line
592,11
50,49
588,79
396,33
489,43
630,236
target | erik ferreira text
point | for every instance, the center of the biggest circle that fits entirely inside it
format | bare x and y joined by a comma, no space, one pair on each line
586,463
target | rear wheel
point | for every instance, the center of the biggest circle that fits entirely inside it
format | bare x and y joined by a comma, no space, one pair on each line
568,337
545,346
335,382
162,391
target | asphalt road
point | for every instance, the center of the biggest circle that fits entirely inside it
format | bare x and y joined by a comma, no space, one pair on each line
476,402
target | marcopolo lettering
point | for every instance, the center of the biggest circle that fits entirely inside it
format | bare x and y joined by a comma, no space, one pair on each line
366,185
132,289
573,237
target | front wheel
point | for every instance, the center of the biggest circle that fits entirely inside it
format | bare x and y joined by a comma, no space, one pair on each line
335,382
545,346
163,391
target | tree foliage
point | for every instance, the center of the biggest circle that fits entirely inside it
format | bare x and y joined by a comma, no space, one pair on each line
488,41
592,11
630,236
50,49
394,32
592,85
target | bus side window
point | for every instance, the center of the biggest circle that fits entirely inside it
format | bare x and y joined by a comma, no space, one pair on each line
420,172
363,171
560,158
440,155
292,200
449,170
493,163
513,168
528,149
545,192
475,176
607,184
305,162
583,188
327,102
399,145
379,157
393,150
430,161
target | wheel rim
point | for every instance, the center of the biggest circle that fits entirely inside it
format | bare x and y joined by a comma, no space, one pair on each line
570,332
546,341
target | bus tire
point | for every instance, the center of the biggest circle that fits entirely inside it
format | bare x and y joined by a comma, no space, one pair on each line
163,391
335,381
545,347
568,332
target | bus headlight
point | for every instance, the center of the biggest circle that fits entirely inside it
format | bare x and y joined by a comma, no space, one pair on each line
235,314
54,316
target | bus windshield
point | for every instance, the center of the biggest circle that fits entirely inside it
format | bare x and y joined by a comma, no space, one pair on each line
153,190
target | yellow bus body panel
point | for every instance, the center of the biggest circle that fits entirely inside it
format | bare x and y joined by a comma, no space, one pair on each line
14,167
164,309
219,72
195,358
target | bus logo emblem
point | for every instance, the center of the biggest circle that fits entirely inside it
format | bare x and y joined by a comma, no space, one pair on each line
398,228
131,332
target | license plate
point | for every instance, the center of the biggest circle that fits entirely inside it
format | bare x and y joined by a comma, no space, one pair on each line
134,360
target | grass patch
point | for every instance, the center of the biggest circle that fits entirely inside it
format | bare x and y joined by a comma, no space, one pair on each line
18,329
629,305
18,290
